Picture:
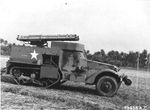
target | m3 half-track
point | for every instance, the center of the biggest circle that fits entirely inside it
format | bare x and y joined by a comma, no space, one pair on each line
64,61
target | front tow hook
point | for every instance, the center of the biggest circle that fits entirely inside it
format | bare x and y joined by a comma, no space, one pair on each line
127,81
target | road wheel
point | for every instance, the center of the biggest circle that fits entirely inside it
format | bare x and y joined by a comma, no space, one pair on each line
107,86
15,72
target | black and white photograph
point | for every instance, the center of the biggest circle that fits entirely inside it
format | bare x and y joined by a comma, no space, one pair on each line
75,54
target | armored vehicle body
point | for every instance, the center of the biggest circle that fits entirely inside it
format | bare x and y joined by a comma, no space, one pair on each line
63,61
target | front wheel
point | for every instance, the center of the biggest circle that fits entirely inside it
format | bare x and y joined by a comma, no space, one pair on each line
107,86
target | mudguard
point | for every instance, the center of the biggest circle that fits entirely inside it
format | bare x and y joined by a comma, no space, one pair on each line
91,79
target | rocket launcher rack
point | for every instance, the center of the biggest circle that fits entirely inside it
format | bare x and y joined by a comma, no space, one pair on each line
70,37
41,40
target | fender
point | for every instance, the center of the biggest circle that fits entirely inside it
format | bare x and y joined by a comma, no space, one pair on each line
91,79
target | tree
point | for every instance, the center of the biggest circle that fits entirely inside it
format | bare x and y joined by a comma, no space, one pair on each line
143,58
5,42
132,59
6,47
89,56
97,56
103,53
114,55
123,59
1,40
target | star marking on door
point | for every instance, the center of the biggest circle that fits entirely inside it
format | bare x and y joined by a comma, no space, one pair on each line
34,55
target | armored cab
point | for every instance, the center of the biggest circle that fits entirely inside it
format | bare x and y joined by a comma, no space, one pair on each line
63,61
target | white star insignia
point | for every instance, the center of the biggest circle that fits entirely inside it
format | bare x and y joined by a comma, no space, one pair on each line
34,55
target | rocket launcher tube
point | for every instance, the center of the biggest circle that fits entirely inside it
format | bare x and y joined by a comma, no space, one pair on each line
68,37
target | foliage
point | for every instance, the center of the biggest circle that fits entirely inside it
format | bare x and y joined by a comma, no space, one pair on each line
120,58
5,47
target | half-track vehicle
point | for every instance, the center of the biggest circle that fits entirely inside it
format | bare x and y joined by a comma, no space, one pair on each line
36,62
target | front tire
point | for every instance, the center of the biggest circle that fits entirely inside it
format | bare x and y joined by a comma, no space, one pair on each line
107,86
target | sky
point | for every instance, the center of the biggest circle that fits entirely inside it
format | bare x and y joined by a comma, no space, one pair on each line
122,25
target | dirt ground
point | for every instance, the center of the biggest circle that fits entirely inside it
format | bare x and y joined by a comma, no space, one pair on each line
70,96
75,96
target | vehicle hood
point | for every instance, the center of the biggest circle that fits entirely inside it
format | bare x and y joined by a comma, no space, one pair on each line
100,65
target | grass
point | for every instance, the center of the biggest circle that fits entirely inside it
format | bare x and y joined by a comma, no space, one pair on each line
47,95
79,93
75,95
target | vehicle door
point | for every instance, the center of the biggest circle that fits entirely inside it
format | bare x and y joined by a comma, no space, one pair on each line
73,64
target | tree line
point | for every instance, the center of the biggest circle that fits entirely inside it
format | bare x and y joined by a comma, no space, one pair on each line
5,47
120,58
113,57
